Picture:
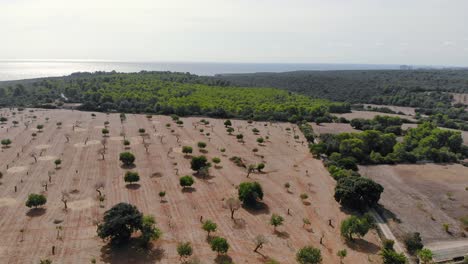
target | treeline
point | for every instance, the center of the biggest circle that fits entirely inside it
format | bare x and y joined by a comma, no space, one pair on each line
167,93
386,124
421,88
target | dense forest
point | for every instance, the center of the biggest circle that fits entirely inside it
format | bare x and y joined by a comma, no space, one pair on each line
418,88
166,93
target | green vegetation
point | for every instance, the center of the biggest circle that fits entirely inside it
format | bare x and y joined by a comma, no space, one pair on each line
220,245
184,250
127,158
250,192
186,181
35,200
413,242
122,220
357,193
131,177
385,124
209,226
164,93
309,255
355,225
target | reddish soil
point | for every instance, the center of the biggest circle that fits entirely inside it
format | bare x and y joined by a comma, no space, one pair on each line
28,235
370,115
332,128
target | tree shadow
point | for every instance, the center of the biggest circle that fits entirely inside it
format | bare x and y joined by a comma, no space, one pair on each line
387,214
203,176
220,259
257,209
363,246
36,212
306,203
188,190
133,186
282,234
131,252
128,167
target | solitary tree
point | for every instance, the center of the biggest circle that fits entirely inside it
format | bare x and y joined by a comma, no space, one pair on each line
201,145
57,163
233,204
309,255
64,199
198,163
6,143
120,222
239,137
276,220
131,177
209,226
187,150
186,181
220,245
105,132
3,120
162,194
342,254
230,130
250,192
184,250
127,158
35,200
40,127
227,123
260,167
141,130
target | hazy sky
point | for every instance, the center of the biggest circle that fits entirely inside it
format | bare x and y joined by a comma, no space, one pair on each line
326,31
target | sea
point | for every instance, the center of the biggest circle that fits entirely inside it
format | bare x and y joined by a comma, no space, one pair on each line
18,70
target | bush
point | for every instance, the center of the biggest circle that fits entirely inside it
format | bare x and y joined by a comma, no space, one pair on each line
355,225
391,257
198,163
187,150
184,249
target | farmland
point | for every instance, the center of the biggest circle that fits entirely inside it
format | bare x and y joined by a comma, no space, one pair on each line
76,139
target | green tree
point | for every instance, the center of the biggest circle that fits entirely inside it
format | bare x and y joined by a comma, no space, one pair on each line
35,200
40,127
149,231
187,150
276,220
209,226
413,242
131,177
357,192
220,245
260,167
6,142
127,158
57,163
391,257
120,222
186,181
355,225
250,192
309,255
105,131
184,250
227,123
425,255
198,163
201,145
342,254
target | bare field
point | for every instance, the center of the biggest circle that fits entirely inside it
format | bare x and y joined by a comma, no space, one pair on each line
370,115
333,128
423,197
28,237
461,98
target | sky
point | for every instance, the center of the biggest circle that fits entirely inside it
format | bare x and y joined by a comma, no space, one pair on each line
418,32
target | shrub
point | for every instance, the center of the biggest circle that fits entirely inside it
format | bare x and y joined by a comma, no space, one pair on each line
413,242
220,245
186,181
